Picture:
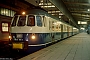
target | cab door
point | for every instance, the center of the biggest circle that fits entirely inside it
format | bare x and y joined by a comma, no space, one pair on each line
62,31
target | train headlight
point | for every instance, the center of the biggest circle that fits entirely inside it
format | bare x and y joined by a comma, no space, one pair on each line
33,37
10,37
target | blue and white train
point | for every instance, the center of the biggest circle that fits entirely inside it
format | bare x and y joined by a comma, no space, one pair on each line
37,29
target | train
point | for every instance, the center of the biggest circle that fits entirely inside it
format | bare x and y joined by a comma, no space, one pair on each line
35,29
4,30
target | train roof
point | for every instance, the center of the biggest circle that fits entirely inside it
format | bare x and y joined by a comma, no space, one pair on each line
42,12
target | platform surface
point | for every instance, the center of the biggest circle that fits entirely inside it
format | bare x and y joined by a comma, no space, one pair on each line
74,48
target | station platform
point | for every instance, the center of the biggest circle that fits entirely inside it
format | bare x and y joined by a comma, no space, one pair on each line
74,48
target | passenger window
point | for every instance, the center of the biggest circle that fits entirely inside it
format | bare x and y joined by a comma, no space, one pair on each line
31,21
39,22
52,25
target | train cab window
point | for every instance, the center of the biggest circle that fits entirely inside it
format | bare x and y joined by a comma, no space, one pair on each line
5,27
21,21
14,21
39,22
31,21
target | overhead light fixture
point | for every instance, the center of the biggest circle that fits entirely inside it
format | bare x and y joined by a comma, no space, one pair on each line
88,9
47,6
53,14
60,14
23,13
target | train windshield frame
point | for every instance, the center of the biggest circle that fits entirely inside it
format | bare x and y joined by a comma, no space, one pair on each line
14,21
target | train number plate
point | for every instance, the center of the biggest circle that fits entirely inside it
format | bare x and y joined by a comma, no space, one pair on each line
19,35
17,45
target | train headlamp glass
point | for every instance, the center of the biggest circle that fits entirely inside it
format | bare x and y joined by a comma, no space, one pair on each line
9,37
33,36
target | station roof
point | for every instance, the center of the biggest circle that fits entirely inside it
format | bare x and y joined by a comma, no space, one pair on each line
74,12
71,11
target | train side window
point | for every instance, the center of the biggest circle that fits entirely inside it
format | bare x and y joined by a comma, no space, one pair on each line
21,21
14,21
63,27
60,27
31,21
49,25
39,22
53,25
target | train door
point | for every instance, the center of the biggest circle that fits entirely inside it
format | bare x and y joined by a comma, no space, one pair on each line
52,31
61,31
67,31
72,30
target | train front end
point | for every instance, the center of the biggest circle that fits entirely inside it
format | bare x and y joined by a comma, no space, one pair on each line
21,28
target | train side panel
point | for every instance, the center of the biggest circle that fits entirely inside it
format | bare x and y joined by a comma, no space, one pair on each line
4,28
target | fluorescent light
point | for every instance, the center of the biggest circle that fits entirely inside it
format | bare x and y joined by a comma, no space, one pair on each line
88,9
47,6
